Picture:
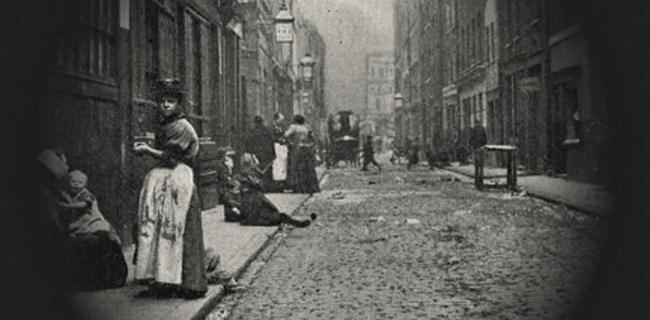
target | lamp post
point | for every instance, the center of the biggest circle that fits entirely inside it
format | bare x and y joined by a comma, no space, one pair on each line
284,25
398,100
306,66
307,63
283,22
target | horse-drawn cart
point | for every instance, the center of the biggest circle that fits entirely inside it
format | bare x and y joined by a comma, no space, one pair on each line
343,139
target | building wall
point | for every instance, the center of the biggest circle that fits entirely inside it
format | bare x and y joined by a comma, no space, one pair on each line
521,67
379,109
101,88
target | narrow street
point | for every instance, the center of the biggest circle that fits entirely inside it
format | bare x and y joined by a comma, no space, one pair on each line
420,245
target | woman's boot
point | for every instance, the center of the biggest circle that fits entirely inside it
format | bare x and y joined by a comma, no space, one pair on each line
285,218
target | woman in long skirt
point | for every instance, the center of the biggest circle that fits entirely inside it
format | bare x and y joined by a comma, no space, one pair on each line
170,254
302,176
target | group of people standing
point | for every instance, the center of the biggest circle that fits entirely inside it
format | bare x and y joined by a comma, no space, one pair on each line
286,155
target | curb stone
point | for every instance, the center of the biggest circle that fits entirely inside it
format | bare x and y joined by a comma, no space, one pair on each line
213,301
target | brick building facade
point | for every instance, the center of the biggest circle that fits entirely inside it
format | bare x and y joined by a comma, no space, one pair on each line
522,68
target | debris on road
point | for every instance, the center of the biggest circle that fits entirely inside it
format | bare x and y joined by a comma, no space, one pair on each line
220,314
460,213
412,221
449,179
338,195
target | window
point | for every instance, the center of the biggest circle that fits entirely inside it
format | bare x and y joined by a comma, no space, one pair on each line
91,49
378,103
493,42
474,114
372,72
482,109
479,38
197,68
160,50
472,41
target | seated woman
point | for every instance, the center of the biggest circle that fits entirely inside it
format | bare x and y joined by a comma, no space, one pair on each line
93,255
97,250
256,209
228,186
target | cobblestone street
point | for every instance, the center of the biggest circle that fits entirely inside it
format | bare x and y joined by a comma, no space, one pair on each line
421,245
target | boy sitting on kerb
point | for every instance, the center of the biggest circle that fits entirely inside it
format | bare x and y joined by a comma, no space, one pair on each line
86,217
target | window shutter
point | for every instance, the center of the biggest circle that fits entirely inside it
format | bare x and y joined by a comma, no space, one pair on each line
205,70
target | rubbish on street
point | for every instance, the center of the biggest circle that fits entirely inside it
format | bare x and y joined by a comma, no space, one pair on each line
453,260
338,195
514,195
412,221
373,240
462,212
221,314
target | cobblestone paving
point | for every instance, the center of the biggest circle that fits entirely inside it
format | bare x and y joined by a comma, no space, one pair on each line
419,245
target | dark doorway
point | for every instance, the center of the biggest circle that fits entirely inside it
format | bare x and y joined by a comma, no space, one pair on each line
557,134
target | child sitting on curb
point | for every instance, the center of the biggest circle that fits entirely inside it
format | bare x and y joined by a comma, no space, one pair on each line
228,186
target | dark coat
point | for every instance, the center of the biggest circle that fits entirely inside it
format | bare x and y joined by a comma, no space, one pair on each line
478,137
260,142
256,208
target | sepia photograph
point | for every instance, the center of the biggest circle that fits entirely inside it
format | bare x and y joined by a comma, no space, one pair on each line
325,159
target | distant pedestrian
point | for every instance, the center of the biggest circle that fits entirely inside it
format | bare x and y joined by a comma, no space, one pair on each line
478,139
431,158
369,155
301,175
413,153
279,167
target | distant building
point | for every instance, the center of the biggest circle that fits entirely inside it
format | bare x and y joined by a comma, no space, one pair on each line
379,105
522,68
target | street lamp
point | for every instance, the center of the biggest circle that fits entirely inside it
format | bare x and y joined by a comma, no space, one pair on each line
284,25
307,63
398,100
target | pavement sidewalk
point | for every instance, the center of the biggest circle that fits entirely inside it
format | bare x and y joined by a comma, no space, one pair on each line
237,245
585,197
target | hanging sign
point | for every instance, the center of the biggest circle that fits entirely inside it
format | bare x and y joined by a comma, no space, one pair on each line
284,32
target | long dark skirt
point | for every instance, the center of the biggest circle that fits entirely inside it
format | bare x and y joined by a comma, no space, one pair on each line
302,176
258,210
194,275
96,262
